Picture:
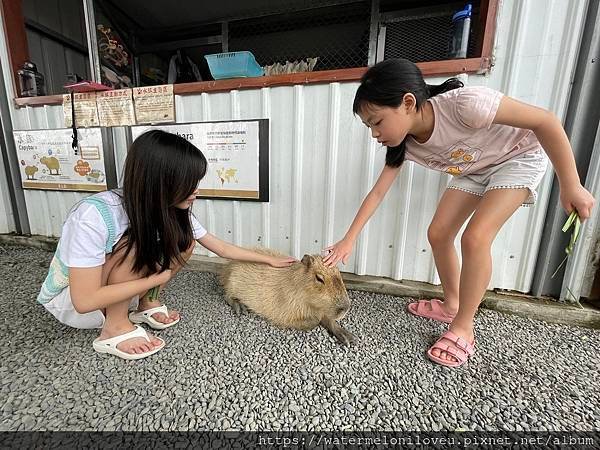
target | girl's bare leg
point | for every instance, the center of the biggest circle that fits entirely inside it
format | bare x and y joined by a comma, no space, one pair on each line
495,208
454,208
117,320
147,303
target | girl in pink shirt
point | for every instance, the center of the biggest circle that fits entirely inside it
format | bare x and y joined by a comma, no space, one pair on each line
493,146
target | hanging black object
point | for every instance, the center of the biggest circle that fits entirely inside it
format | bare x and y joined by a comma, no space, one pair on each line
78,84
75,143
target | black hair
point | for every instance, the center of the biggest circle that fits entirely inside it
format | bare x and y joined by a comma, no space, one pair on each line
386,84
161,171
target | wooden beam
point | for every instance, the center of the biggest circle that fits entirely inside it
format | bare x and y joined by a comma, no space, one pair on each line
489,31
16,37
434,68
41,100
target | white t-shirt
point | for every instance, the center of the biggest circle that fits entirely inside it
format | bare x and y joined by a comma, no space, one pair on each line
84,233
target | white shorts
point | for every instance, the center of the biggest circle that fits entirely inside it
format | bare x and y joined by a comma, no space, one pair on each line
62,308
523,171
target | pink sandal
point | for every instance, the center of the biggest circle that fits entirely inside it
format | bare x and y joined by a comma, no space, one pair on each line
431,309
461,350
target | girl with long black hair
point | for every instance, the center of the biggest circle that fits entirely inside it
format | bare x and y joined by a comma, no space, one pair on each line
118,248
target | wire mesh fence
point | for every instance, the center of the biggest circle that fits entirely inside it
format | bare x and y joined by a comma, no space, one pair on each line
424,34
305,35
338,35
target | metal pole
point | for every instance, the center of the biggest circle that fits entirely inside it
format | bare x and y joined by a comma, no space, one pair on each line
108,145
583,263
373,32
92,41
11,163
225,37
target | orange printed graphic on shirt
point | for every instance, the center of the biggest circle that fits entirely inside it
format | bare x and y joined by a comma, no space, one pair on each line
457,160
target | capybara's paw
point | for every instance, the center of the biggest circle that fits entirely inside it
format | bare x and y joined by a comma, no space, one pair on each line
344,337
237,307
241,309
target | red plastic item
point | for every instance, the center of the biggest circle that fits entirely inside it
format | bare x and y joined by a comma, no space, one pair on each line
87,86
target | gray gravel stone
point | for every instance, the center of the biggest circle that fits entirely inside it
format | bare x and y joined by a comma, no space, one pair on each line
222,371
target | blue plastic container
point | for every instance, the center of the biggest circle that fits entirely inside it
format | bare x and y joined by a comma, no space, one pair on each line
233,65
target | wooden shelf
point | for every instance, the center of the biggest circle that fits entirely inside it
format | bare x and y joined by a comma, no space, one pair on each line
37,101
435,68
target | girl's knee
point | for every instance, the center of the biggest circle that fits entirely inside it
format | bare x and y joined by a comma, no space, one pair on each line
475,239
438,235
188,253
79,304
119,267
184,257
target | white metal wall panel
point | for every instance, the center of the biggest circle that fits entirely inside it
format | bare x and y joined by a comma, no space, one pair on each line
323,160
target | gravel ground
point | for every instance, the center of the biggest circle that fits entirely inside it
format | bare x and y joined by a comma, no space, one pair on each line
220,371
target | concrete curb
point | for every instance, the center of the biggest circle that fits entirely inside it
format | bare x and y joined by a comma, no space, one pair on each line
518,304
43,242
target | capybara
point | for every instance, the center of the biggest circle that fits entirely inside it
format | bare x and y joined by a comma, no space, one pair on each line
30,172
302,296
51,163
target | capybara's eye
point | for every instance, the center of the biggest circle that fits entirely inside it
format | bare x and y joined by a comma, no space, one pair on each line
320,279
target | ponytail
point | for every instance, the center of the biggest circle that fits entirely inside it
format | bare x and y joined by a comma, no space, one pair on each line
448,85
395,156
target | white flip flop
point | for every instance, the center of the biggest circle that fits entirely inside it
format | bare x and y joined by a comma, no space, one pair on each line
110,345
146,317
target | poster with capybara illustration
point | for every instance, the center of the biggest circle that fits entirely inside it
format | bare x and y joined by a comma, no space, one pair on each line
48,160
237,153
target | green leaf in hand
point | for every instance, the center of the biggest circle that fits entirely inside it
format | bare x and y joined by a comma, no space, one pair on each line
575,222
153,293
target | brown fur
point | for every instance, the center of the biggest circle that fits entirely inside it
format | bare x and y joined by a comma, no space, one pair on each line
291,297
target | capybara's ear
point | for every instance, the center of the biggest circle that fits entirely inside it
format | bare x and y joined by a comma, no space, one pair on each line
308,260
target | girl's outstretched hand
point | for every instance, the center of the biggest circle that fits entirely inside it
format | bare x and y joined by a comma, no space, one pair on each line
282,261
579,199
339,251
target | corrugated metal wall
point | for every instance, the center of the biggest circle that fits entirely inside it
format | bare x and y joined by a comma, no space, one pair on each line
323,161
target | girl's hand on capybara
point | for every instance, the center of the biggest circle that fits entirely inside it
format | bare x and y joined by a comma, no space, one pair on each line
340,251
282,261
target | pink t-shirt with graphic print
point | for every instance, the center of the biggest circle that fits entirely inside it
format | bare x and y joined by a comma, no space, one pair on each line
464,139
